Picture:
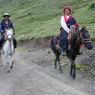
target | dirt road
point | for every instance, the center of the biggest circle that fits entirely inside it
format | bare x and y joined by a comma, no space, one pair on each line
34,74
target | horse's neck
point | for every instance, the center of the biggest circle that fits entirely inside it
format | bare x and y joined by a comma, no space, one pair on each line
78,37
8,44
75,39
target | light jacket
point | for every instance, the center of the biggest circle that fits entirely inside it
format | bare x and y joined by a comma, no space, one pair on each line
67,21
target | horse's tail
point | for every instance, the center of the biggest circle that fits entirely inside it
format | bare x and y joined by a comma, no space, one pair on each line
52,45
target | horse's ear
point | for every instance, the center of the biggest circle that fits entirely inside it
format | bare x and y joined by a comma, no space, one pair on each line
83,28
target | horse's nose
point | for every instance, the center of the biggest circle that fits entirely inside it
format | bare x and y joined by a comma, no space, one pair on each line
89,45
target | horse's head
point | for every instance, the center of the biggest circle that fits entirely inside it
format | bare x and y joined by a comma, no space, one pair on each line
85,36
9,33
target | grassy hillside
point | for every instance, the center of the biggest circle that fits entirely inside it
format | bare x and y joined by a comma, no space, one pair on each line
41,18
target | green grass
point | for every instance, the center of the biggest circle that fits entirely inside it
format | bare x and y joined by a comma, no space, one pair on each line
41,18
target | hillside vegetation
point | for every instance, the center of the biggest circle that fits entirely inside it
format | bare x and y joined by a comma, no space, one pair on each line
41,18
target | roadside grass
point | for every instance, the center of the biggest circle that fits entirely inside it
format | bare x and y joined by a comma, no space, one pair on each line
41,18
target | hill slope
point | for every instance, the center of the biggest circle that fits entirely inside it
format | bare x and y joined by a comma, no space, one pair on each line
41,18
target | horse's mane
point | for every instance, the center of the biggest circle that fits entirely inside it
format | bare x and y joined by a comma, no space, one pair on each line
83,28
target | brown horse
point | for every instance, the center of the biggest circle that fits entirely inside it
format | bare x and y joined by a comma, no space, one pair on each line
77,38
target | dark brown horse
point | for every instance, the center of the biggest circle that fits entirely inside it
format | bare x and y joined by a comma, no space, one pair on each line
77,38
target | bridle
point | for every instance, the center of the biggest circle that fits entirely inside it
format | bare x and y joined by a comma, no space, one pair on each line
84,40
8,34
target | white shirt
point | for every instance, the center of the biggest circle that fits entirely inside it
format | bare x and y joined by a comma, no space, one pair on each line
64,25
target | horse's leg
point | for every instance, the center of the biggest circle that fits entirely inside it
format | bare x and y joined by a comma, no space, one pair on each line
73,69
12,55
55,62
6,56
12,64
13,60
59,63
7,61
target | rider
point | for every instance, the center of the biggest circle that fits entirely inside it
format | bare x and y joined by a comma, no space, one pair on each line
7,23
66,22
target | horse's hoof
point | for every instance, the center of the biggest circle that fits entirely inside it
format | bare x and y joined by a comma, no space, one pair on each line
55,67
61,71
8,71
11,67
74,76
70,74
7,63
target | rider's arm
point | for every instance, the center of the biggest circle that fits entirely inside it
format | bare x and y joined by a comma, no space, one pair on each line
63,24
2,26
1,29
12,26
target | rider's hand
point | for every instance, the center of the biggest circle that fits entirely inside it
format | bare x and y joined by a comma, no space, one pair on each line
70,30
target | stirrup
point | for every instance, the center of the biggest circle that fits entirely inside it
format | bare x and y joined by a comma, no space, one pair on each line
57,46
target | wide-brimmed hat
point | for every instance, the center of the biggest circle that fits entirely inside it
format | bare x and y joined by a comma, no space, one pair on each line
6,14
67,7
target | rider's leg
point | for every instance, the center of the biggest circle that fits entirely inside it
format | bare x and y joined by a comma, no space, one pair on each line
15,43
1,42
63,40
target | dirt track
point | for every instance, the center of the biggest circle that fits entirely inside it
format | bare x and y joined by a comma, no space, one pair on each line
34,74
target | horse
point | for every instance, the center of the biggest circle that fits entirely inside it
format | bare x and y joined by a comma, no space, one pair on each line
8,49
78,37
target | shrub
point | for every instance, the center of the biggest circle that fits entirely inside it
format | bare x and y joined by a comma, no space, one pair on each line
92,6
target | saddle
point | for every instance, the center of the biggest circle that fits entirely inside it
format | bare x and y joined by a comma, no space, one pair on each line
57,40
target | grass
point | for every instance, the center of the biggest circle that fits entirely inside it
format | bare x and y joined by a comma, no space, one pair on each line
41,18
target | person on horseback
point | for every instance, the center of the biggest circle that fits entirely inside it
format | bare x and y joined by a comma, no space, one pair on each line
7,23
67,20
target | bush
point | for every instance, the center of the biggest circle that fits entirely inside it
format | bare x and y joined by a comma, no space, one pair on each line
92,6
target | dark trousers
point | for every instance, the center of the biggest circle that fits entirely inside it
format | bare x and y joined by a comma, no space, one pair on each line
63,40
14,42
1,39
1,43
